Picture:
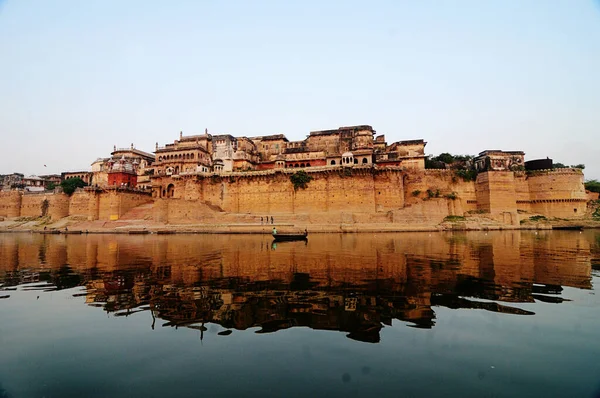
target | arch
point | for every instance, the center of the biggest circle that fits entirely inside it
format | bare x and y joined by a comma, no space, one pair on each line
164,193
307,164
302,165
176,170
192,156
296,165
170,191
333,162
365,161
355,161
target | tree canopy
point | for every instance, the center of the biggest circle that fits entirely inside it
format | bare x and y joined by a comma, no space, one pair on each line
592,185
70,185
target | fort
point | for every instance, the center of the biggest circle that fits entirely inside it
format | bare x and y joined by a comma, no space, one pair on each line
350,178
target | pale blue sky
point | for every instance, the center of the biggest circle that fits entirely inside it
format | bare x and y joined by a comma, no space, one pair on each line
78,77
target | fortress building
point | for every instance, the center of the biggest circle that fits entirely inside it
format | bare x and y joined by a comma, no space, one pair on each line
129,166
345,146
334,178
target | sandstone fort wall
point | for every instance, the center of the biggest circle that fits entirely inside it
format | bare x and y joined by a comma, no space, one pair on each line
359,195
10,204
89,204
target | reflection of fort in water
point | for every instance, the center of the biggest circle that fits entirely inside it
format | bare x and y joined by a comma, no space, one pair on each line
351,283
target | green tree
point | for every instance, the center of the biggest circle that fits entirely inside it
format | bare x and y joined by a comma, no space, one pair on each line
592,185
444,157
70,185
300,179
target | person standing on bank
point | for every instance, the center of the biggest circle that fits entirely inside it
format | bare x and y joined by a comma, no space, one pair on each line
271,219
274,231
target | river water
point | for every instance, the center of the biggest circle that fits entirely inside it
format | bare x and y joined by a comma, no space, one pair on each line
497,314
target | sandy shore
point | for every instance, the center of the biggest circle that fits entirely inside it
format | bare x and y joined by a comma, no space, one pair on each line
144,226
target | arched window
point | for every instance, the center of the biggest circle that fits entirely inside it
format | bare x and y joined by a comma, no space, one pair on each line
333,162
365,161
355,161
296,165
302,165
307,164
176,170
170,191
192,156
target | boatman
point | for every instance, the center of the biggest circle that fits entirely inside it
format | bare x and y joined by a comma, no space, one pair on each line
274,231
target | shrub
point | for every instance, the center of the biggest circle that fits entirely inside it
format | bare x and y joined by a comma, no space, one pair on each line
537,218
300,179
433,194
592,185
467,175
69,186
451,196
454,218
416,192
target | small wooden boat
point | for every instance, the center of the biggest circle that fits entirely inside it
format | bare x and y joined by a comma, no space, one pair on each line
71,232
139,232
50,232
277,237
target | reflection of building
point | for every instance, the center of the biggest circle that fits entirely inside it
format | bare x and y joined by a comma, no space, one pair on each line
239,282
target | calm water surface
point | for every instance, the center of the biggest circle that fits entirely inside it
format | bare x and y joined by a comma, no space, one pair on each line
506,314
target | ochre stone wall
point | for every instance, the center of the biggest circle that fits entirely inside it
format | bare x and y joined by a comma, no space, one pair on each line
496,192
359,190
79,203
557,193
58,205
113,204
10,204
444,183
359,195
556,184
89,204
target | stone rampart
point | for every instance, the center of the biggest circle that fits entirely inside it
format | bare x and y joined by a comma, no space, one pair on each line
10,204
56,206
112,204
93,205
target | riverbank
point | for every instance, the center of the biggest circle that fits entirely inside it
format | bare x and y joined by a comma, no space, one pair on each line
74,226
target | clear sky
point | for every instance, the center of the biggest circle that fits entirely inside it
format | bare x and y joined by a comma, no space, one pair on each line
77,77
